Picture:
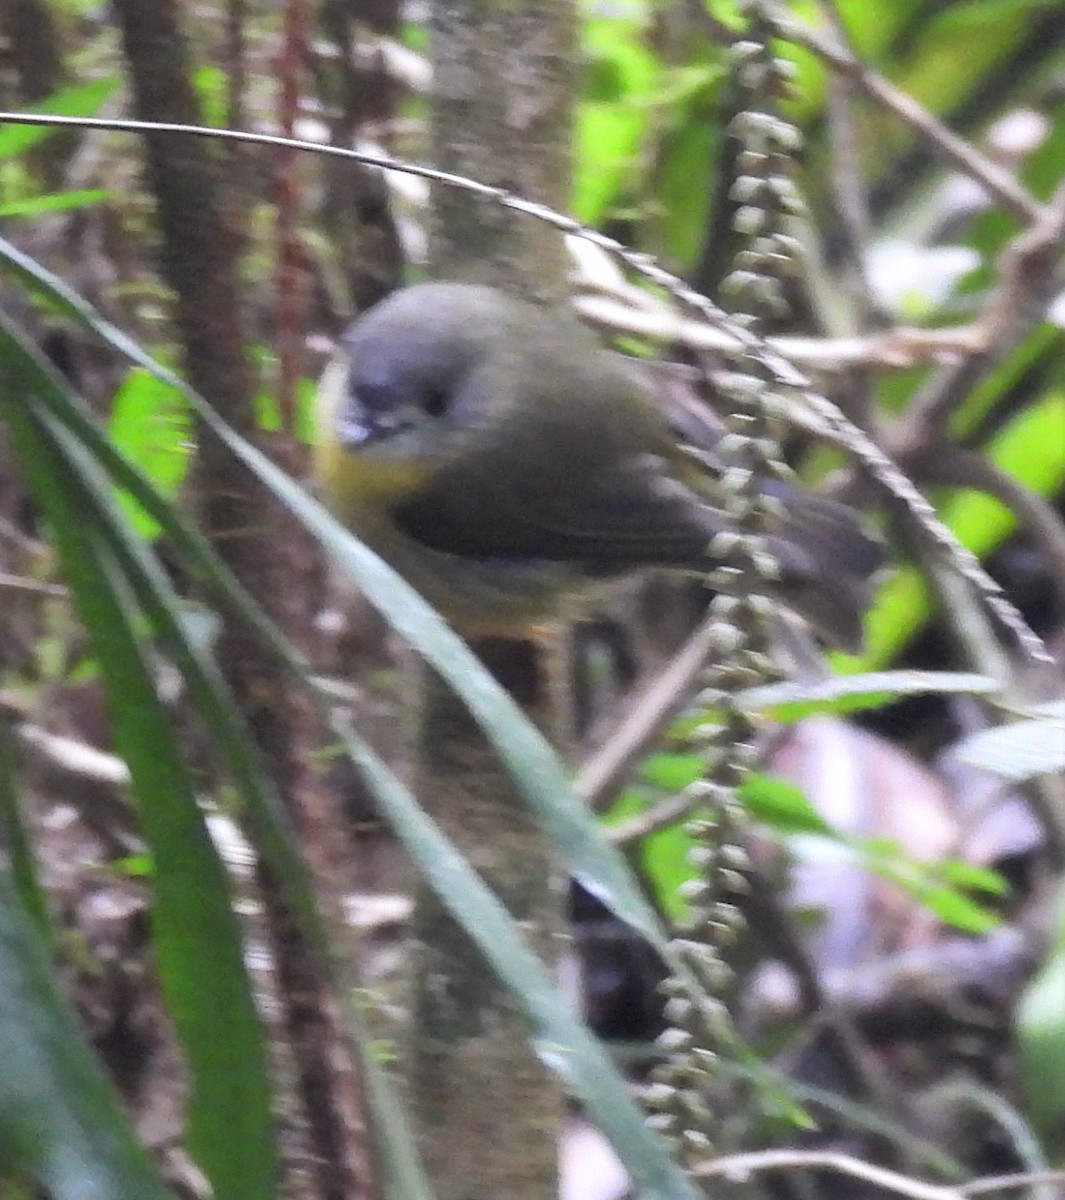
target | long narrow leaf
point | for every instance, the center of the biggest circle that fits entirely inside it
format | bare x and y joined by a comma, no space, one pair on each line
82,100
1040,1019
197,939
795,699
397,1160
60,1125
563,1042
401,1175
14,841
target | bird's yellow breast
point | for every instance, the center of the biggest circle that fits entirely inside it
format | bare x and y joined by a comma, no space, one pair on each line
353,481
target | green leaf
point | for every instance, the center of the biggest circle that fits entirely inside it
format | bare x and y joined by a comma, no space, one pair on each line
790,701
1030,449
665,854
15,844
687,160
84,100
1041,1039
151,424
196,936
562,1041
60,1124
212,86
1018,752
773,801
968,875
400,1172
782,806
60,202
940,78
1007,378
261,815
611,121
926,883
672,772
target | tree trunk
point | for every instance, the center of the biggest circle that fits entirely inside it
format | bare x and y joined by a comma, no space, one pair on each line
488,1113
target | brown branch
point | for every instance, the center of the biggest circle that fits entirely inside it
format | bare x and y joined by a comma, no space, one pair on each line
740,1167
1030,276
290,274
20,583
999,184
848,187
604,772
895,349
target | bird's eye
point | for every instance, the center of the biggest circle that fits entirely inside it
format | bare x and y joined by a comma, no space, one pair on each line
434,403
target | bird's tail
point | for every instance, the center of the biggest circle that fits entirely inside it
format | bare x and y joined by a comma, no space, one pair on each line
828,562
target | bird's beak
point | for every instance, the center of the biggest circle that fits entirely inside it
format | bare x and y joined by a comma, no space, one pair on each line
362,428
374,413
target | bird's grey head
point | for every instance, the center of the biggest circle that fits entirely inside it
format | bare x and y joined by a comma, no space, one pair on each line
410,358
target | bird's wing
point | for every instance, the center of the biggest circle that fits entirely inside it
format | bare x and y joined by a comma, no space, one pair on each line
634,515
626,515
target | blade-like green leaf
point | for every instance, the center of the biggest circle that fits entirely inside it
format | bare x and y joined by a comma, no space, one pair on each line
197,939
59,202
1028,448
401,1175
60,1125
1017,752
562,1040
15,844
1041,1037
534,765
82,100
151,425
790,701
583,1068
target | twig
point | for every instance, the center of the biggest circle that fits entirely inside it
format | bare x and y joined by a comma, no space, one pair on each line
608,767
847,184
28,545
739,1167
999,184
19,583
1020,1179
74,757
1029,277
667,811
897,349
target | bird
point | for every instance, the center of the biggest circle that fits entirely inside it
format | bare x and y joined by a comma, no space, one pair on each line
509,465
